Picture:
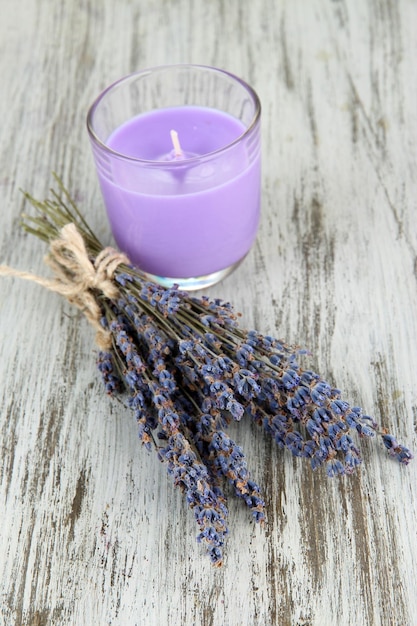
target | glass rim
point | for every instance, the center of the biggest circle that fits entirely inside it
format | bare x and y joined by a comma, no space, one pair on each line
128,77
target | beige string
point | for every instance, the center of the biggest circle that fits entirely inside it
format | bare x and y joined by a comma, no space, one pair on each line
76,277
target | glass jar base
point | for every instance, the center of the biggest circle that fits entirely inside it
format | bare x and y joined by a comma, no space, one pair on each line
194,283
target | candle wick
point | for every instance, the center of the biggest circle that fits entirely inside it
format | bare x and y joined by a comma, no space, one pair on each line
176,143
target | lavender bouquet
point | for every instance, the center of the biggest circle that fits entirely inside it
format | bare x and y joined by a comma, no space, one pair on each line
188,370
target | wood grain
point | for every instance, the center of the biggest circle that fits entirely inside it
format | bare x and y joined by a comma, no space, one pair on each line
92,532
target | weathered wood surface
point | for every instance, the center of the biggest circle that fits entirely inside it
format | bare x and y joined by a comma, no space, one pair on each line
91,530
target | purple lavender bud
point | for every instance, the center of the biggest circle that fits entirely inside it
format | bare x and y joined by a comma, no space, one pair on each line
275,359
228,459
236,410
244,354
308,377
314,428
112,381
404,455
390,441
294,442
339,407
334,429
320,393
132,379
315,463
352,419
309,448
167,380
344,443
301,397
281,439
365,431
322,415
246,385
290,379
324,448
212,340
334,467
144,433
137,400
192,476
352,460
401,453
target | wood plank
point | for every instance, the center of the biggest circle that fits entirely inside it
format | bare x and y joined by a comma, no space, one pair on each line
92,531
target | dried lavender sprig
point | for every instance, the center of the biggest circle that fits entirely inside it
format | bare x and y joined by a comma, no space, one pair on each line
206,499
220,317
303,396
218,451
316,418
157,349
324,441
216,368
112,381
228,458
154,407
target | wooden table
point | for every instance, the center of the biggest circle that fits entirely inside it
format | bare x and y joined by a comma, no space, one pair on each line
92,532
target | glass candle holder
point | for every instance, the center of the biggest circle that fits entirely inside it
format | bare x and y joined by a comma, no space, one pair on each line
178,158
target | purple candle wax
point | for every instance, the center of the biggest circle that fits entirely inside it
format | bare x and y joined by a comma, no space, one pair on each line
184,216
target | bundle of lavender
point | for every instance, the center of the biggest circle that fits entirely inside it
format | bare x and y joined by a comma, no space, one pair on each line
188,369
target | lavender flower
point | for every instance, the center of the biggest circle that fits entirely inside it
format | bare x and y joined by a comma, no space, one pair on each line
206,499
228,459
189,370
112,382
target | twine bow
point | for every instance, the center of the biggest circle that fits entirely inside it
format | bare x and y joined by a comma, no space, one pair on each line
77,277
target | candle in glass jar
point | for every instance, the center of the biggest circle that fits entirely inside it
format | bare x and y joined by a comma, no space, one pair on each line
177,151
185,219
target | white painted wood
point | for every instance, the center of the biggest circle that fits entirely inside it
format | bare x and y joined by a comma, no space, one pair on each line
92,532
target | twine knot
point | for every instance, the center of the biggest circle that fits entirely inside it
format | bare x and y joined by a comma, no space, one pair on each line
78,278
